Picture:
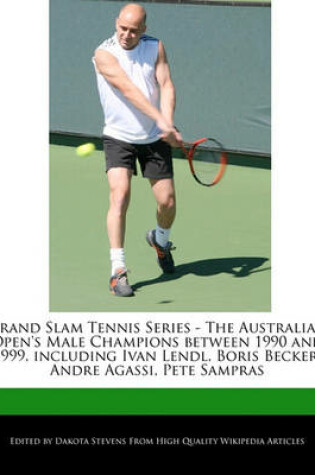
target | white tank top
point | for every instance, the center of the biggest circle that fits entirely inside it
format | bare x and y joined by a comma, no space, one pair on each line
123,121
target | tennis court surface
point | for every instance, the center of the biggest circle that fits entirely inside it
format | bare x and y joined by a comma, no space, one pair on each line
222,238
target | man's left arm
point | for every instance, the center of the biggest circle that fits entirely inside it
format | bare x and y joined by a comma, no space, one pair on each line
167,89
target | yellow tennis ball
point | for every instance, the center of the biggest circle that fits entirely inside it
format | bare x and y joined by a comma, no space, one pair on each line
85,149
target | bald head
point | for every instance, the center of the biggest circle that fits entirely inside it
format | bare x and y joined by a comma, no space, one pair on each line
133,12
130,25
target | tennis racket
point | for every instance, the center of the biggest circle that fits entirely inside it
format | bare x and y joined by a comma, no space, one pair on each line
207,160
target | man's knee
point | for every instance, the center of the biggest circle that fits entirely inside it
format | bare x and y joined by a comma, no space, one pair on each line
166,199
168,202
164,193
119,184
119,199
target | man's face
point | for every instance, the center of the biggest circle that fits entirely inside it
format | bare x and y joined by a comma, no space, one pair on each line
129,32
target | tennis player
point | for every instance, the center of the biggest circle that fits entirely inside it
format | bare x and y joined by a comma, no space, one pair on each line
138,99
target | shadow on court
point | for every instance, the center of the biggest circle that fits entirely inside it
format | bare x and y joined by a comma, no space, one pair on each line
236,266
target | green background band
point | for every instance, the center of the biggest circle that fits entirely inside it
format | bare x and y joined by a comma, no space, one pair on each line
157,401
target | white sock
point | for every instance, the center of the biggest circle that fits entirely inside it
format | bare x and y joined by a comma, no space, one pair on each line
162,235
117,257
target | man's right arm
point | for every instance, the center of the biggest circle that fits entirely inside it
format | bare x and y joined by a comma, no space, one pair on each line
107,65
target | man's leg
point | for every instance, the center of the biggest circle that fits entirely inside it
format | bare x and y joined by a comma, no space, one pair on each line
164,193
119,180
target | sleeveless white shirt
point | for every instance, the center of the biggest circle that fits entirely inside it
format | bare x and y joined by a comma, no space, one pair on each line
123,121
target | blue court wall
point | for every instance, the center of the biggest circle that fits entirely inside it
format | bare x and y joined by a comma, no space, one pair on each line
220,58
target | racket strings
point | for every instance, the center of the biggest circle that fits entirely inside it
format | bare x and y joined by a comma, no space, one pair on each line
207,160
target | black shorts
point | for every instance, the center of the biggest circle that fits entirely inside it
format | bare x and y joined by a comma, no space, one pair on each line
155,158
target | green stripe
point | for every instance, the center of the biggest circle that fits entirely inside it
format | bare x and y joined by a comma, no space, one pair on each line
157,401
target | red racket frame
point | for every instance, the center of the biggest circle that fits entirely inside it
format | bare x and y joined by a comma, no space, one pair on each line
190,156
